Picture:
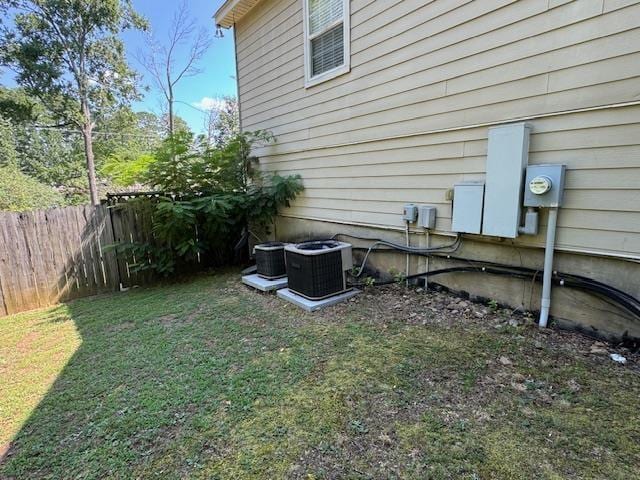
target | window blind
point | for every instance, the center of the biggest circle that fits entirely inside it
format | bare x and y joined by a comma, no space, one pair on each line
323,13
327,50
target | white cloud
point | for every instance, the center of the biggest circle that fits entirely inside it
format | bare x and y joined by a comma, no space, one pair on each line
208,103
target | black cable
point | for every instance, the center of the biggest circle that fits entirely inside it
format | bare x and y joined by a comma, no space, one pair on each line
622,299
449,248
561,276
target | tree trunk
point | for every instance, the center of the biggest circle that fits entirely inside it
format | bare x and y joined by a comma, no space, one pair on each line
91,168
171,126
87,131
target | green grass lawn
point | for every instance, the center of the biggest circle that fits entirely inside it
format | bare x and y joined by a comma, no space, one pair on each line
207,379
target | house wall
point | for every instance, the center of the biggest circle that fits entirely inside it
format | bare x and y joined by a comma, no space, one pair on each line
427,79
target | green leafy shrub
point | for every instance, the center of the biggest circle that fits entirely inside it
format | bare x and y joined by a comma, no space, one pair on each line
184,168
213,197
127,168
19,192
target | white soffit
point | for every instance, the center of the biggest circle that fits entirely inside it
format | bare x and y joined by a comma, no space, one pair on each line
233,10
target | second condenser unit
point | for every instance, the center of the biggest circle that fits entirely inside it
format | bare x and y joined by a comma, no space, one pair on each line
317,270
270,260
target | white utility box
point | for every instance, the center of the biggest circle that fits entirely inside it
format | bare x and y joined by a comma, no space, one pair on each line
467,207
427,217
507,158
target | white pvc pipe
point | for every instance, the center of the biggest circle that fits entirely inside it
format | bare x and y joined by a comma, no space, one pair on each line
426,263
545,303
407,257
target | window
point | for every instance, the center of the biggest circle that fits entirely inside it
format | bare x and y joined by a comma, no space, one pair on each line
326,39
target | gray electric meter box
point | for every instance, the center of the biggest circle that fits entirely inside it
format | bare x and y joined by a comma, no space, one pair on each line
544,186
467,207
410,213
507,157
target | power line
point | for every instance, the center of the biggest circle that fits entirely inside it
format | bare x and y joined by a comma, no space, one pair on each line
99,133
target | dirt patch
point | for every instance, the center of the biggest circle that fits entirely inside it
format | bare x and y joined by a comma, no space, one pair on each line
389,304
4,450
416,306
25,344
121,327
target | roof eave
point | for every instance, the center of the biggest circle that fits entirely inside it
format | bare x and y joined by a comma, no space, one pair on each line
233,10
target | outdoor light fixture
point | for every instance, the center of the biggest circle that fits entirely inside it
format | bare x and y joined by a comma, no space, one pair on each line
219,33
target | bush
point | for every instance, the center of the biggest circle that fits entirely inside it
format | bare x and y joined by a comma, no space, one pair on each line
212,198
19,192
126,169
183,168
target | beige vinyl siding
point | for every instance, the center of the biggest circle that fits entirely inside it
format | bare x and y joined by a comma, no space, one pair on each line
453,44
369,183
446,65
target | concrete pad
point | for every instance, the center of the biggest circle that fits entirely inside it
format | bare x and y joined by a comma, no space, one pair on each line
313,305
262,284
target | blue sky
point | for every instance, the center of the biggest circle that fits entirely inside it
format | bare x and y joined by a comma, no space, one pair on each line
218,66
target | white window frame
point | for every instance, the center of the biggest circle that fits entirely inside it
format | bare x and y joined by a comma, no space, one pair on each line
309,80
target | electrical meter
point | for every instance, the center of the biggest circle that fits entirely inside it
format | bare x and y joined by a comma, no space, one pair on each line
540,185
545,186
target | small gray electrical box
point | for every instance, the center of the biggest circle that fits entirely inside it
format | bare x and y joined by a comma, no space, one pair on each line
427,217
410,213
544,185
468,198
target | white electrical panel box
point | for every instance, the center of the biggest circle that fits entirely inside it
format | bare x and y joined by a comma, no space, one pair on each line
410,213
467,207
427,217
507,158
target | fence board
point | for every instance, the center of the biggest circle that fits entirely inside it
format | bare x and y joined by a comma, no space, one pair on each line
106,237
36,274
53,255
117,214
71,252
10,293
21,266
49,281
60,257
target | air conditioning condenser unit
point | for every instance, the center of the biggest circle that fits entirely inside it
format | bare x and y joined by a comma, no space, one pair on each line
317,269
270,260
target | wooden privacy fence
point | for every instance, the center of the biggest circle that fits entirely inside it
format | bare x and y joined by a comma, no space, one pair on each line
49,256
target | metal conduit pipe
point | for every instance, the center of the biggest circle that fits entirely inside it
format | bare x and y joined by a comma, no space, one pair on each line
545,303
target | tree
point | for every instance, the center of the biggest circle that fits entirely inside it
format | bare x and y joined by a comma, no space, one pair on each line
179,125
17,106
223,122
127,169
51,156
8,150
129,145
123,129
68,54
160,58
183,167
19,192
